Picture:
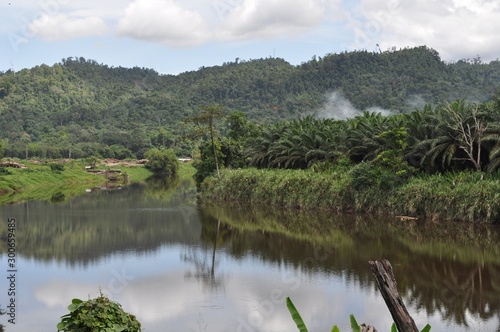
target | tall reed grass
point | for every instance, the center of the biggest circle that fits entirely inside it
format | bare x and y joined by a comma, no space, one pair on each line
466,196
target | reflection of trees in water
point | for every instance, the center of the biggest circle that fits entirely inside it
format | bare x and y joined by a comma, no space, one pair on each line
204,265
453,289
172,189
1,326
83,229
446,268
161,187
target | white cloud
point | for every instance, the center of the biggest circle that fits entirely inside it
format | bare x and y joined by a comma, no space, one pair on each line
456,28
272,18
62,27
163,21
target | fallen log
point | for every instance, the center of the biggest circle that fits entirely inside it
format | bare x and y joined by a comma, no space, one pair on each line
386,281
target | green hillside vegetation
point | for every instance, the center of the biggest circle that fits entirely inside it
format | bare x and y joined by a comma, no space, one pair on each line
80,108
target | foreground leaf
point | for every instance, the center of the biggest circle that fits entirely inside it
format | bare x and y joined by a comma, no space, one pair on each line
296,316
427,328
354,324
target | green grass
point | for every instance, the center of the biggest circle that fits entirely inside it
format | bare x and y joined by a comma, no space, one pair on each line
140,173
469,196
41,174
465,196
135,173
39,181
186,170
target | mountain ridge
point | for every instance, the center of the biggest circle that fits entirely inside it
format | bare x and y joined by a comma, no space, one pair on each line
81,102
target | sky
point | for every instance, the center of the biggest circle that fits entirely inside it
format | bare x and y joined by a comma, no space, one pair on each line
174,36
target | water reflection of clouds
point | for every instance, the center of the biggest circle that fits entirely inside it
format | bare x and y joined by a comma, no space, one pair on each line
58,293
252,297
252,300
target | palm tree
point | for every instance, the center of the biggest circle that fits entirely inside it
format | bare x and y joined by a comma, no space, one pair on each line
463,136
259,147
362,136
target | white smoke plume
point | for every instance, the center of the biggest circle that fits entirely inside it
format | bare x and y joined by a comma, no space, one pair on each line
416,102
337,107
340,108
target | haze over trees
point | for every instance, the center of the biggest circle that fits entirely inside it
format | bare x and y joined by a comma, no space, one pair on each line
81,108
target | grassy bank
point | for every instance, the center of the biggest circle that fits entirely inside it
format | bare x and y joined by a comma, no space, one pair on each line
36,175
40,181
465,196
47,181
139,173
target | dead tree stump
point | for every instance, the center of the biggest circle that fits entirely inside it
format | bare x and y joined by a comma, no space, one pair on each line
369,328
386,281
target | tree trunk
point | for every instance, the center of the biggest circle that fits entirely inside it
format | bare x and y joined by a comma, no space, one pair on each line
213,148
386,281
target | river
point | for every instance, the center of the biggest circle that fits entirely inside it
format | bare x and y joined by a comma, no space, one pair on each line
179,266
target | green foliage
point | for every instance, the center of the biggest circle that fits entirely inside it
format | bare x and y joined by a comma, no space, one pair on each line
239,127
205,166
4,171
354,324
468,196
452,136
82,106
97,315
58,197
91,161
205,126
427,328
295,315
57,167
162,161
220,153
40,182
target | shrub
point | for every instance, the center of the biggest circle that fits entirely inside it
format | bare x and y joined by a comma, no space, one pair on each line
58,197
92,161
97,315
162,161
57,167
4,171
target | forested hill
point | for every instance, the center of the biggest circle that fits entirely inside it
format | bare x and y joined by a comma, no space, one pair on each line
93,107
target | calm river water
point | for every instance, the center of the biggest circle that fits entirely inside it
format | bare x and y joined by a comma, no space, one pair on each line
170,262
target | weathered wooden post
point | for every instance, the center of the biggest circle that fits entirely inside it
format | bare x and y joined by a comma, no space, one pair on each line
386,281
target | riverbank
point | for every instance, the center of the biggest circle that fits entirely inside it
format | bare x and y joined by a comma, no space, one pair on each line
56,180
464,196
40,180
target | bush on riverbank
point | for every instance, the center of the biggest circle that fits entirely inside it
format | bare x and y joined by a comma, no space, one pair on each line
466,196
162,161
